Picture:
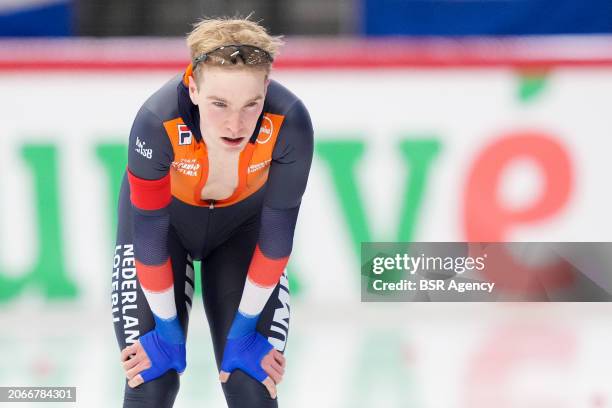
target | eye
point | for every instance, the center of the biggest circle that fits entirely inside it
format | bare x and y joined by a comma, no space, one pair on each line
251,104
219,104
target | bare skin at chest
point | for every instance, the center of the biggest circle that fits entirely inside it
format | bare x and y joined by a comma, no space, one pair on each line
230,104
222,175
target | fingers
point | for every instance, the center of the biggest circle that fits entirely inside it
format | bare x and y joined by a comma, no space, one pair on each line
143,365
270,386
272,367
134,360
273,370
129,350
131,362
277,367
136,381
223,376
278,356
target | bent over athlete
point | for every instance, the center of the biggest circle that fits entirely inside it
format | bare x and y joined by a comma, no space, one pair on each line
218,161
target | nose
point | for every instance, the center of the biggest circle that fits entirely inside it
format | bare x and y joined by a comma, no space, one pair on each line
234,123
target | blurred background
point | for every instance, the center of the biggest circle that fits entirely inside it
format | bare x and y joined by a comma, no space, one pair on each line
435,120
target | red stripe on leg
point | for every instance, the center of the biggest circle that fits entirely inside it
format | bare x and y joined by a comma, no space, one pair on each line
265,271
155,278
149,194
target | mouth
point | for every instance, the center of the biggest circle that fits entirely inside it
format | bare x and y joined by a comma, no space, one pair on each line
232,141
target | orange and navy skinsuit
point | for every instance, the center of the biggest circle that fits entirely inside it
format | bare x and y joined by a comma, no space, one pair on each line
243,241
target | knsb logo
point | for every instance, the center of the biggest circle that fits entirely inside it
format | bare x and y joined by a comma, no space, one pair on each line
184,135
140,148
266,130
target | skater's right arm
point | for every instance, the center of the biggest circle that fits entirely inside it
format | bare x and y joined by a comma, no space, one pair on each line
150,154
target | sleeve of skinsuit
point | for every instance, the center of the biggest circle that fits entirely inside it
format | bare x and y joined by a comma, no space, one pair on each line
150,154
287,179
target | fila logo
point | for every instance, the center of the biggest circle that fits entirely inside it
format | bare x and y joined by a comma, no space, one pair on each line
184,135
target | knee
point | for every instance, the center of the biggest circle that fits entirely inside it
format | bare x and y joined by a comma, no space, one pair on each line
160,392
244,391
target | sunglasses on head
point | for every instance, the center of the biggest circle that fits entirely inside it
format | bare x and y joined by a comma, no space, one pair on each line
232,54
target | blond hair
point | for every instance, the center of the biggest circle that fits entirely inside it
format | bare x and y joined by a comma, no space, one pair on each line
211,33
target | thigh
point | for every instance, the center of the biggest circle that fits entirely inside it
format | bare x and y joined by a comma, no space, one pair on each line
224,273
132,316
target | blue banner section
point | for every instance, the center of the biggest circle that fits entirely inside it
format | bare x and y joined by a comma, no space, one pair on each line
33,20
486,17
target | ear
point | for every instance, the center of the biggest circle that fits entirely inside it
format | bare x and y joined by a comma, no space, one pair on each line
193,90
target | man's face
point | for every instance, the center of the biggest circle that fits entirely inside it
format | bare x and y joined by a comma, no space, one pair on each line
230,102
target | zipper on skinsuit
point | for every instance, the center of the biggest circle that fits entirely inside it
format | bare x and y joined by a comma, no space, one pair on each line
211,206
